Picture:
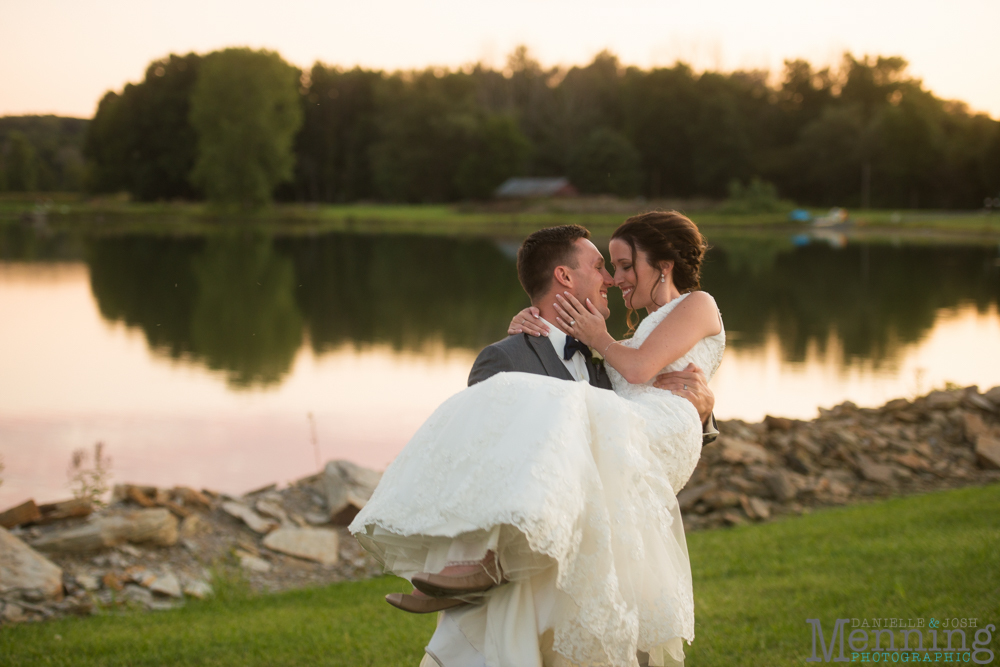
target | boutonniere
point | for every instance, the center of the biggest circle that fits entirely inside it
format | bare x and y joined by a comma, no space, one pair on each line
596,356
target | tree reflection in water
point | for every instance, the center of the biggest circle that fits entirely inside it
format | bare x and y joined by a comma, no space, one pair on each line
404,291
242,304
227,302
874,298
245,320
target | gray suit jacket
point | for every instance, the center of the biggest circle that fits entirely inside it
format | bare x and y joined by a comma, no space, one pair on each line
534,354
529,354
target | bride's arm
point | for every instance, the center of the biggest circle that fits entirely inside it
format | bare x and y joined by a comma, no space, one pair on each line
694,318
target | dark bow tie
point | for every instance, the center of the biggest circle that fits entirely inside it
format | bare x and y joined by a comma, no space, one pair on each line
572,346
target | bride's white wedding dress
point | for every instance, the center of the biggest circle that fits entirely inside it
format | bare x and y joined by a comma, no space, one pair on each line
546,472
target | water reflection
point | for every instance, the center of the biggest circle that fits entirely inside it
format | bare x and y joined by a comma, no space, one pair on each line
404,291
244,304
228,303
249,333
872,299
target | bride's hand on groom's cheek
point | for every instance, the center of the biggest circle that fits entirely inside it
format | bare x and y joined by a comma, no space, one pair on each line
585,323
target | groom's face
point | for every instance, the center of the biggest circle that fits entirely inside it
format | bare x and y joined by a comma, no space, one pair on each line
590,278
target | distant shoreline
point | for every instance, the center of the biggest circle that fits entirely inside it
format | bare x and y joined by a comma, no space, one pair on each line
70,212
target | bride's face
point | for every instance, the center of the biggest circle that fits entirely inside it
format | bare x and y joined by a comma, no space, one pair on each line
636,280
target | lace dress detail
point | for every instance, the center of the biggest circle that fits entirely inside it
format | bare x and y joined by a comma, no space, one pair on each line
707,353
550,473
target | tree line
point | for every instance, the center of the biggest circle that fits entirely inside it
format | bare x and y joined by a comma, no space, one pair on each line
41,153
243,125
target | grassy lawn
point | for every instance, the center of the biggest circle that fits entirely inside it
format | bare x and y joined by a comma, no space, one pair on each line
930,556
919,557
72,212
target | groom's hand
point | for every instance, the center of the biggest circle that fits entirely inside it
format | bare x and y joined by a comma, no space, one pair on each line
691,384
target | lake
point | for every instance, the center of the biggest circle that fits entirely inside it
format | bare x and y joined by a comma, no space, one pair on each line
237,360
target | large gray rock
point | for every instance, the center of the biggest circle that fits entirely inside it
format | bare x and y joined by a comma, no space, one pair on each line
167,584
317,544
198,588
721,498
272,508
253,563
974,400
993,395
256,522
781,486
756,508
735,450
690,495
944,400
138,595
874,472
24,570
155,526
347,487
988,451
973,426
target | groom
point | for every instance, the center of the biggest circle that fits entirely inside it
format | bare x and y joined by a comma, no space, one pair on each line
549,262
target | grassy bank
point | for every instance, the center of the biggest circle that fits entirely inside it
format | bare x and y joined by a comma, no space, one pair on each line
600,216
918,557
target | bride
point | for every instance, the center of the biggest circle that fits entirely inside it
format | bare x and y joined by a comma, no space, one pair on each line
564,490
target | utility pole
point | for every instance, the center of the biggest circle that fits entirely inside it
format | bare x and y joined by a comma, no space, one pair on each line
866,185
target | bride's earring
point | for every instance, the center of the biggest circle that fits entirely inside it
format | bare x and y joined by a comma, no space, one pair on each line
663,278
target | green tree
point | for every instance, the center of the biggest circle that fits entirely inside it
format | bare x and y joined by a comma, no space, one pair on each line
721,136
20,163
590,98
662,109
424,125
606,163
829,157
141,140
872,82
496,151
333,157
56,143
245,110
907,152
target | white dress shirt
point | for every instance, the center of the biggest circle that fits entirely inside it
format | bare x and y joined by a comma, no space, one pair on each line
577,365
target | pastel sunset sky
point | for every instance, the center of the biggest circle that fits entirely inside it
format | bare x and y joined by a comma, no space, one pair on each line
60,56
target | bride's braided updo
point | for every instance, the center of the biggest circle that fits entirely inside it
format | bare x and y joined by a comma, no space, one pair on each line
666,236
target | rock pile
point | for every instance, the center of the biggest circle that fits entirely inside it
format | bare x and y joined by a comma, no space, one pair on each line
782,466
153,548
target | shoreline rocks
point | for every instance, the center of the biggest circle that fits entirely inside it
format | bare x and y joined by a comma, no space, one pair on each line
154,548
154,526
26,573
780,466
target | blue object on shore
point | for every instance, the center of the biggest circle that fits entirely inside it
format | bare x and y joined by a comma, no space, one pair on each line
800,240
800,215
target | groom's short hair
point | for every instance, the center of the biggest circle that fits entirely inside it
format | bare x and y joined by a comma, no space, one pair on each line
542,252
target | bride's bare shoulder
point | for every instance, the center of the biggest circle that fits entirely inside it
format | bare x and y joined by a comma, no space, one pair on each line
701,297
699,301
702,308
